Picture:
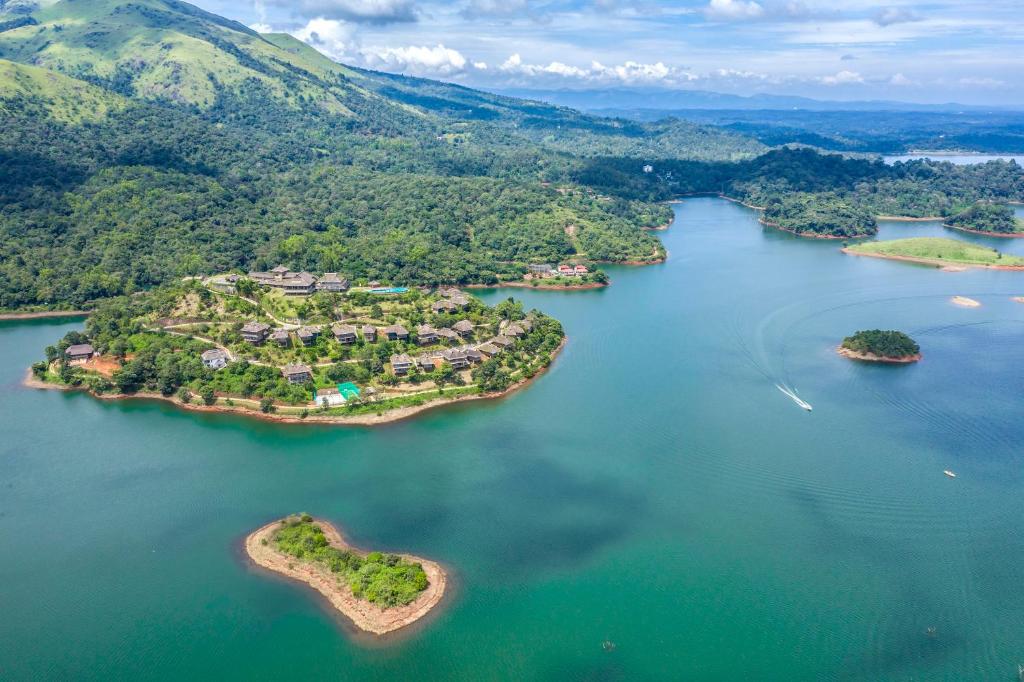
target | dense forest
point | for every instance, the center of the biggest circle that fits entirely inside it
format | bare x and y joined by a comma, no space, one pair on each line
987,217
125,163
885,344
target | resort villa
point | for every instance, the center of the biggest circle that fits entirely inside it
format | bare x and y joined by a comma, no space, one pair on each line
255,332
396,332
425,335
401,364
79,354
344,333
292,283
308,335
297,374
281,337
215,358
330,281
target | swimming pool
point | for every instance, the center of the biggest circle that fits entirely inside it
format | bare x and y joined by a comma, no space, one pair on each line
389,290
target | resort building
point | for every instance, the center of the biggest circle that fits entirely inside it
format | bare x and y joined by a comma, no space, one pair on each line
580,270
225,284
472,354
255,332
443,306
514,330
297,374
401,364
344,333
488,349
308,335
426,335
456,357
426,363
281,337
447,335
330,281
369,333
541,269
502,341
463,327
460,300
78,354
215,358
396,332
292,283
566,270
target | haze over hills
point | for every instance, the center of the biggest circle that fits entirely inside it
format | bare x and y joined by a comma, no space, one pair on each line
663,99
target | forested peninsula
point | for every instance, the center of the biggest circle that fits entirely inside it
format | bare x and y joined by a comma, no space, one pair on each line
145,141
362,356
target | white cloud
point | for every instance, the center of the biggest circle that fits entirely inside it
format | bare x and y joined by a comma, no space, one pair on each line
331,36
900,80
986,82
895,15
362,11
626,73
733,10
842,78
419,60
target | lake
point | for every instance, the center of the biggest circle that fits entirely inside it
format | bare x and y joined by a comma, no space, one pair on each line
655,489
958,159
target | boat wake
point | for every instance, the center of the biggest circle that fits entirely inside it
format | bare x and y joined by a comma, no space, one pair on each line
794,397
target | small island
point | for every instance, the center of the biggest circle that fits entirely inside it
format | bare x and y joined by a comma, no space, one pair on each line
378,592
291,346
876,345
937,251
995,220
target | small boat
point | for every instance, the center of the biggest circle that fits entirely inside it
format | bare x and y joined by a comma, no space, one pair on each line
795,398
949,473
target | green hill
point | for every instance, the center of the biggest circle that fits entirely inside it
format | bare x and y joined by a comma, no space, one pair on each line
45,93
171,51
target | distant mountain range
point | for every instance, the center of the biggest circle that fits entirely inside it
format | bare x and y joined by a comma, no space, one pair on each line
666,100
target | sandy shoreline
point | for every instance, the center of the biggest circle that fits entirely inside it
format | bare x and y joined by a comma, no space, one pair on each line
1001,235
366,616
529,285
45,314
933,262
388,417
871,357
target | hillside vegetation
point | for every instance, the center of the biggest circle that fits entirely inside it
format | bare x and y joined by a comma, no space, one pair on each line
146,140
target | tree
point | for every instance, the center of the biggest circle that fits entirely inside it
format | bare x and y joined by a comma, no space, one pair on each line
267,405
206,393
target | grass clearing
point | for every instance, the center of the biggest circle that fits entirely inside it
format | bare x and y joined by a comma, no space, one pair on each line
936,251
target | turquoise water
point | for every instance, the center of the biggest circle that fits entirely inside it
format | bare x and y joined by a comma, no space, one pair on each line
389,290
653,489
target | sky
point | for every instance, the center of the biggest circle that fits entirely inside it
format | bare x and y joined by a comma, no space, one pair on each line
969,51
